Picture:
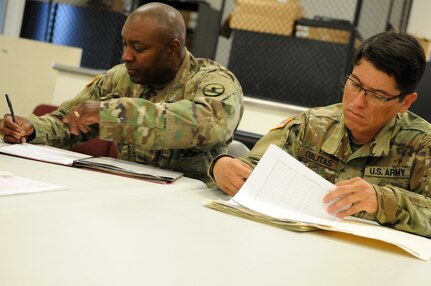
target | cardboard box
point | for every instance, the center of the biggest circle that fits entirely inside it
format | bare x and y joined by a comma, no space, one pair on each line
426,44
187,15
118,6
324,34
266,16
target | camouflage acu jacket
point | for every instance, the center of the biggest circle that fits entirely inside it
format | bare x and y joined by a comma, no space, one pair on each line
397,162
181,127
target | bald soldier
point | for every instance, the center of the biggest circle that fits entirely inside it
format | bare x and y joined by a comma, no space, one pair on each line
375,150
162,107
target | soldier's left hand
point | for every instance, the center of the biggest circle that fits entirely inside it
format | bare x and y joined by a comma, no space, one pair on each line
352,196
83,115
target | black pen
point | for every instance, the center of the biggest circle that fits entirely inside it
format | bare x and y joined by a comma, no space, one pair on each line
9,103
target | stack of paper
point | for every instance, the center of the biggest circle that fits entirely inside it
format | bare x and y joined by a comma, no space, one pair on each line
105,164
282,191
129,169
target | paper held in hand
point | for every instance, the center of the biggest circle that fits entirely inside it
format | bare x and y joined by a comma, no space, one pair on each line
282,191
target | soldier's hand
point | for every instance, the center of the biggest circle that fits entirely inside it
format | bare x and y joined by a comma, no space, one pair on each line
352,196
16,132
83,115
230,174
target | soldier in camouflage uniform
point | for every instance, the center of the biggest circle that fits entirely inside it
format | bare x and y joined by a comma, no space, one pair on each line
375,150
163,107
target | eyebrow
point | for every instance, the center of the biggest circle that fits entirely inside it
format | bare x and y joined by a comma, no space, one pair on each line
372,89
131,41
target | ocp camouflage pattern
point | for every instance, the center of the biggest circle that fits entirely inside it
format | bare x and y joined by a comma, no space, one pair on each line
396,162
181,126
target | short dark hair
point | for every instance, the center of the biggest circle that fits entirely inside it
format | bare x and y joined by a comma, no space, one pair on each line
398,54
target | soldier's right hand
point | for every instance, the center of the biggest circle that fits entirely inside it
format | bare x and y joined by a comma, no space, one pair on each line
16,132
230,174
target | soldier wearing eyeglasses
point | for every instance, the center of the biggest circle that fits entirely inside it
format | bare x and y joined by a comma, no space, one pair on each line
370,145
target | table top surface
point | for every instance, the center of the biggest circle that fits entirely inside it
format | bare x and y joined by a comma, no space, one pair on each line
110,230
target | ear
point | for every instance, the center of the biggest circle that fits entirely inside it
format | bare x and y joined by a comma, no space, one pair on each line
408,100
174,49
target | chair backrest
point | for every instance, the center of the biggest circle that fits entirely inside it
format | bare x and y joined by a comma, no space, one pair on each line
237,149
422,105
93,147
42,109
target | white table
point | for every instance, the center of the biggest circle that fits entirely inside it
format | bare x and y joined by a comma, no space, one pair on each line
110,230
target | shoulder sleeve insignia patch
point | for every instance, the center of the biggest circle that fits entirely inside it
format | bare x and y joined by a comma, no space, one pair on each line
282,124
213,89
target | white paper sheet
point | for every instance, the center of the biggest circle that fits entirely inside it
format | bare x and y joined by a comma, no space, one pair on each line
14,185
282,187
416,245
42,153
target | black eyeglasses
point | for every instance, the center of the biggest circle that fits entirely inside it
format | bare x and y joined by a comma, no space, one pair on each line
374,96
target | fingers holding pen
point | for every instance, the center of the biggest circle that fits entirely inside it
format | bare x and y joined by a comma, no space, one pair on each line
16,132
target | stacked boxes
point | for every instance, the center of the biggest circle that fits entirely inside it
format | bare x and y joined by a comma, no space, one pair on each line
278,17
266,16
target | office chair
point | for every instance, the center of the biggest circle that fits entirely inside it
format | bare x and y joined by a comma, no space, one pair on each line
93,147
423,103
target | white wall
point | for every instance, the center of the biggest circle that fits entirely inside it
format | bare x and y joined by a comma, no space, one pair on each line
26,73
3,6
13,20
420,20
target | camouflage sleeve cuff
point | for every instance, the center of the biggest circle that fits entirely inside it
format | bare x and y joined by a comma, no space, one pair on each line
38,136
388,205
213,162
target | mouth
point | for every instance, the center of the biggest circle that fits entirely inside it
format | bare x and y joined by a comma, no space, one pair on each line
354,114
131,70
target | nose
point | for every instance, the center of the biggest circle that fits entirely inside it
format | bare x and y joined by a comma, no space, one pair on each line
360,98
127,54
